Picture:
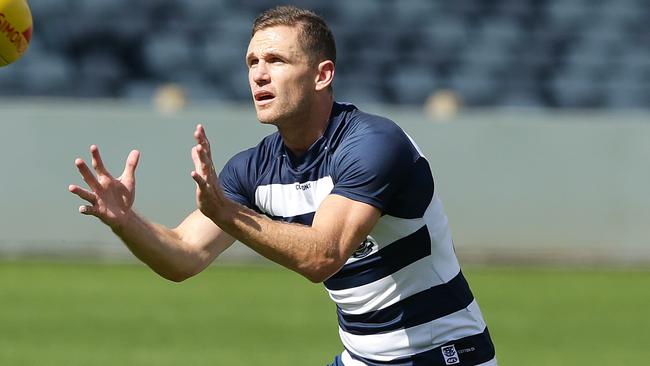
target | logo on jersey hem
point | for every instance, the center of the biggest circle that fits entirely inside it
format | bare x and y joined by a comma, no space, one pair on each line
450,355
365,248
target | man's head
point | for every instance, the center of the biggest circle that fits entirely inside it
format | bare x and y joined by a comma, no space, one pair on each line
315,37
291,59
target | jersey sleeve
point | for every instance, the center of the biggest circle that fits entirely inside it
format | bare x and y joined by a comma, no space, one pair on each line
372,164
236,179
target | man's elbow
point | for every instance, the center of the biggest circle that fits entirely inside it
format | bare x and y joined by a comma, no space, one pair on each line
178,274
318,273
316,277
176,277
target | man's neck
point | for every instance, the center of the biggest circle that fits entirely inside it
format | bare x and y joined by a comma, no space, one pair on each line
298,137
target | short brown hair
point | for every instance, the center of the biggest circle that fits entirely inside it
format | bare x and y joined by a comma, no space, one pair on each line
315,36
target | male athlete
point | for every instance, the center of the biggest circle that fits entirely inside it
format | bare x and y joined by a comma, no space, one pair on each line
339,196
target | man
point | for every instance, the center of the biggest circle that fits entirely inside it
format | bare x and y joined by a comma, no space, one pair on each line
337,195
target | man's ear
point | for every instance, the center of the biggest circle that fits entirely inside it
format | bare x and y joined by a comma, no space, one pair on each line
325,75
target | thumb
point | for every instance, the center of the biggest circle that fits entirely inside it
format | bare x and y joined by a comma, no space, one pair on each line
130,165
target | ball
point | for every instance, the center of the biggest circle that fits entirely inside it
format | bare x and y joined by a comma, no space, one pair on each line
15,30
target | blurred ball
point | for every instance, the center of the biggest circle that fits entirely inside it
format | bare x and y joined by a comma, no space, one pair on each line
442,105
15,30
169,99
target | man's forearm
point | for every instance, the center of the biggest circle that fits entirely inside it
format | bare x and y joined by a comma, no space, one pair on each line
158,247
303,249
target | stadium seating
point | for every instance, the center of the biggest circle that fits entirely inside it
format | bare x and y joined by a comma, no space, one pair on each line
534,53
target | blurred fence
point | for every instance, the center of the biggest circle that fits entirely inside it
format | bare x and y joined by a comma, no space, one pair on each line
518,185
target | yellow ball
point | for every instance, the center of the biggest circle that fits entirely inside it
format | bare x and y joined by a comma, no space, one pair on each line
15,30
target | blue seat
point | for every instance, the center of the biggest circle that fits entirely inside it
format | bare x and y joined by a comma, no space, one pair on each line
205,12
627,93
51,75
488,54
408,14
99,9
444,34
100,74
475,86
355,91
139,90
217,54
577,89
412,84
236,84
563,14
591,57
165,54
362,12
501,31
629,84
624,12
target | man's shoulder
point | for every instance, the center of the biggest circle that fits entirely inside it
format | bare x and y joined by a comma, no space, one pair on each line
359,121
369,129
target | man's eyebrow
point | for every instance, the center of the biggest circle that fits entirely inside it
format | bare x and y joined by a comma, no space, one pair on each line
251,56
265,55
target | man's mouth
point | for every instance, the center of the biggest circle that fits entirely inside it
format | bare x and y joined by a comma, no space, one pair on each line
263,96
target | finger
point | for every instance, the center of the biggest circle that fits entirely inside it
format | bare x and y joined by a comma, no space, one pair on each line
207,167
196,159
203,150
83,193
203,156
200,181
88,210
87,175
199,132
97,162
130,165
201,137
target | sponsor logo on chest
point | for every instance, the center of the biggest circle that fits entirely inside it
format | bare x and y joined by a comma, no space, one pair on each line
293,199
303,186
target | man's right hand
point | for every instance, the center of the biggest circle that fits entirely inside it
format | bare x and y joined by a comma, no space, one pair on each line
110,199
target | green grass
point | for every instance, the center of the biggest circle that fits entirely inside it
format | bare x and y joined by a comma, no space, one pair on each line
98,314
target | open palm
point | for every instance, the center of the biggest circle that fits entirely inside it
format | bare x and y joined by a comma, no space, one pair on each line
110,199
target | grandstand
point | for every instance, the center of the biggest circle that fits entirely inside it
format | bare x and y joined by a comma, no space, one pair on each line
492,53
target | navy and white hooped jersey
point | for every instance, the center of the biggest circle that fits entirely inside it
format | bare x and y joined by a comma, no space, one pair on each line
401,297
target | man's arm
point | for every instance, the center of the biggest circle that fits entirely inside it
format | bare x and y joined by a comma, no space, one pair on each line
340,224
316,252
175,254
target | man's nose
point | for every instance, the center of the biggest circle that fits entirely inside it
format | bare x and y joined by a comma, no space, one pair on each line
261,73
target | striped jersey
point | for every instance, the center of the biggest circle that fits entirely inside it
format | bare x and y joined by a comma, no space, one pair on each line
401,298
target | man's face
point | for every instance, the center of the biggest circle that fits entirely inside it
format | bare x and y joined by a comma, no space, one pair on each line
281,78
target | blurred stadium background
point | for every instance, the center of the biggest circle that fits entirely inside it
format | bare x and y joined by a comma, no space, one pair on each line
535,115
532,53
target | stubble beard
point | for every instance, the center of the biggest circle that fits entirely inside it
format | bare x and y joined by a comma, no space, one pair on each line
286,116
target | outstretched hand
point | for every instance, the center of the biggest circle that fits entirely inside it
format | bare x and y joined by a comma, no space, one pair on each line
110,199
209,195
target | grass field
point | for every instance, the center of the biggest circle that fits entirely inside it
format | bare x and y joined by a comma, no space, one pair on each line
99,314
